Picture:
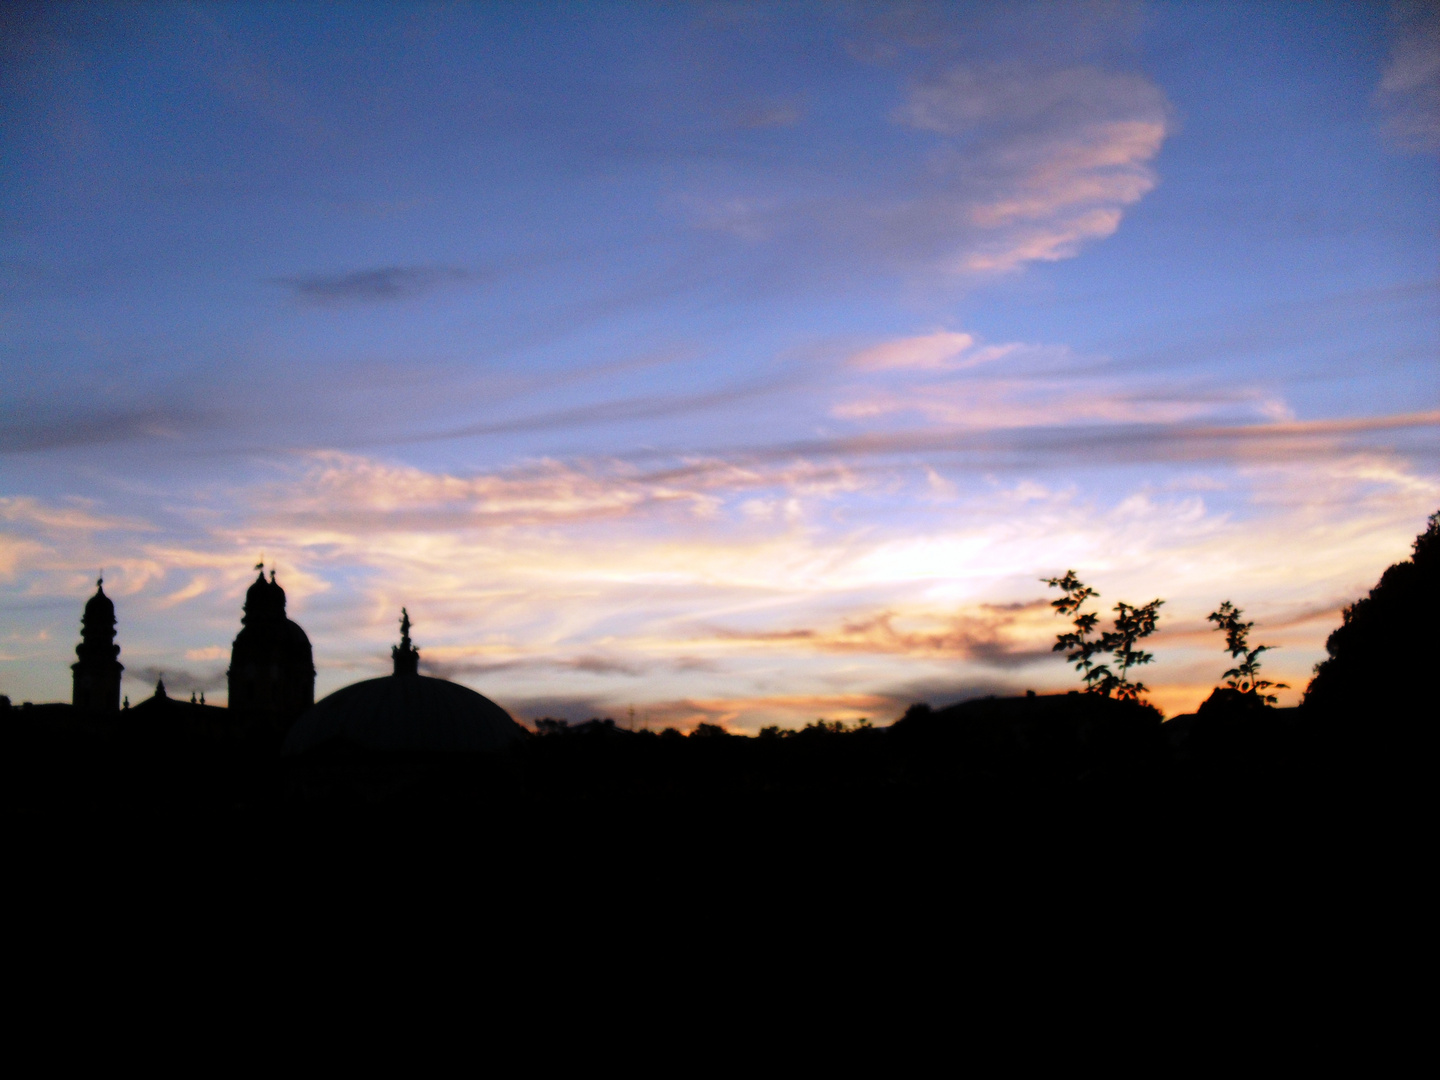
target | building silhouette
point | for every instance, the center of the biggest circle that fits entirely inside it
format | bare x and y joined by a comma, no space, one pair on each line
272,667
96,685
272,693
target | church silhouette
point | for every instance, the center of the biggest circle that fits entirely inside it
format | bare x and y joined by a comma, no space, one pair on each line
271,682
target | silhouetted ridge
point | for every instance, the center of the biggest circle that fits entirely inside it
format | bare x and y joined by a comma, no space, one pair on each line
1065,733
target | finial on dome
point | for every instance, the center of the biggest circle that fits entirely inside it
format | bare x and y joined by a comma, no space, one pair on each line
272,575
405,655
160,687
260,566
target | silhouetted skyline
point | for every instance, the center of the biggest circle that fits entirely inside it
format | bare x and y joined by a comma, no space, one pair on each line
737,364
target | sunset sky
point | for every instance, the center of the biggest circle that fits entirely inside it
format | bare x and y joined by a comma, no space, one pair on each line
730,362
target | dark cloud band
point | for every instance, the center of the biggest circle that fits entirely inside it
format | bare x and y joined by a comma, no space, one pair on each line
380,285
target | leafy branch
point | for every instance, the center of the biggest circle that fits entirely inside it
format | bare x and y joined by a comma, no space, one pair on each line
1083,645
1131,624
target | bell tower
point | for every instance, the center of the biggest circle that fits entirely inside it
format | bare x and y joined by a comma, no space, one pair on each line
97,672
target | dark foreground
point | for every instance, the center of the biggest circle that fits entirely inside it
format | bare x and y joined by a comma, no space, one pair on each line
1040,793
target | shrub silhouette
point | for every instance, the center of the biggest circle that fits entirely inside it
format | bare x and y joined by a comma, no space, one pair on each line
1131,625
1244,677
1384,649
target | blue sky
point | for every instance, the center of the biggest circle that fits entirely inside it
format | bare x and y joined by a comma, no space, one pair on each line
733,362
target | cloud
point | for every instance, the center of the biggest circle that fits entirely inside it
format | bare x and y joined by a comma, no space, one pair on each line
965,96
883,33
1409,91
1035,162
349,492
335,493
454,664
1023,164
1036,386
1071,445
28,427
775,114
179,682
991,635
375,286
641,407
927,351
603,665
70,517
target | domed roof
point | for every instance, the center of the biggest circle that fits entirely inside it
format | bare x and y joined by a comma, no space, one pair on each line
405,712
284,634
99,607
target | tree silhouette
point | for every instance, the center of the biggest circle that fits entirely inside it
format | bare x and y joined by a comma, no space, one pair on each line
1132,623
1244,676
1382,654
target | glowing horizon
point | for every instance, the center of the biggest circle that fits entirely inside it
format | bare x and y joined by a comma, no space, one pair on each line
650,371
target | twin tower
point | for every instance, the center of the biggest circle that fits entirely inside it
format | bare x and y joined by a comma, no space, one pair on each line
272,667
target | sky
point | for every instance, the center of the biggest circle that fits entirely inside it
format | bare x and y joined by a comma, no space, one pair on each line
729,363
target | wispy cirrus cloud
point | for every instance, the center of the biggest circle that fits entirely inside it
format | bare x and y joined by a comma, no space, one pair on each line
993,635
1019,163
1409,90
71,517
925,351
1035,163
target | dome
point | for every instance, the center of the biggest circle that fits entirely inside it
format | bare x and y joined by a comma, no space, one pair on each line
405,712
284,637
99,609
